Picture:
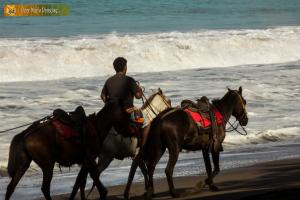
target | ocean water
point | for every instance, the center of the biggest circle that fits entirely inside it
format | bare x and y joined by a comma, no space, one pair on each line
187,48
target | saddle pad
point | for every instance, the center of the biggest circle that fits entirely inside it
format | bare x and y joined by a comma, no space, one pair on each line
68,132
205,122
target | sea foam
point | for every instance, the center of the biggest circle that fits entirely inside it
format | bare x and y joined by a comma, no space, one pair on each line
86,56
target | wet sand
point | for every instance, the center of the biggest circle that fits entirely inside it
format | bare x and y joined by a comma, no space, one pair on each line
272,180
3,173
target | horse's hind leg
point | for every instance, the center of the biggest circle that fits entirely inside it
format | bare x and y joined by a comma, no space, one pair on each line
133,168
144,170
47,178
16,178
173,157
151,167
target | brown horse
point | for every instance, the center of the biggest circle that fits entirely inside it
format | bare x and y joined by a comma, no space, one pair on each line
168,131
42,144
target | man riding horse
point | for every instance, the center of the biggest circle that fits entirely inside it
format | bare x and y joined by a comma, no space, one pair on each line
122,89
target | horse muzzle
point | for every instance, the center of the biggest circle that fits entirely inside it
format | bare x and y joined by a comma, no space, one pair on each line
244,121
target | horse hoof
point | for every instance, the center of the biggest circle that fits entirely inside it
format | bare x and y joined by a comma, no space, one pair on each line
126,196
148,195
213,188
175,194
103,196
200,185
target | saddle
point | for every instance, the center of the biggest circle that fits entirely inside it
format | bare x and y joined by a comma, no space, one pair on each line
206,117
75,118
200,111
73,124
202,105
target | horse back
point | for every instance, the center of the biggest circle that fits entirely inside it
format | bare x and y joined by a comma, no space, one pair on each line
46,146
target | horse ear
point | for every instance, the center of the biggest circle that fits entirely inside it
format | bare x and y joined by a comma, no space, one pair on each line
240,90
159,90
228,89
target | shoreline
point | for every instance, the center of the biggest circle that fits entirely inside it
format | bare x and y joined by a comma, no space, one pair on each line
269,180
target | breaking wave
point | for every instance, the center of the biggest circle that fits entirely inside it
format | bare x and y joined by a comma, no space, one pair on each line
271,135
85,56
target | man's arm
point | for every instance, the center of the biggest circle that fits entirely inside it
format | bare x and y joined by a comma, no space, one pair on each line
139,93
136,89
103,95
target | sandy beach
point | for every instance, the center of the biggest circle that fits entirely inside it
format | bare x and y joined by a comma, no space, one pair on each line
271,180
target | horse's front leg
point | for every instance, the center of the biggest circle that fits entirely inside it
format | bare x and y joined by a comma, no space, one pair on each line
80,182
133,168
216,162
92,169
208,169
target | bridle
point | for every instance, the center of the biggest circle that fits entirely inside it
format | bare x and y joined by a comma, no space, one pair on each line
234,126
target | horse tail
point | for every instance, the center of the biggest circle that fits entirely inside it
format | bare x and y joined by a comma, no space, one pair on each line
18,156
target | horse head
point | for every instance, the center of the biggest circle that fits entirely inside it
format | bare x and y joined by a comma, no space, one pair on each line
239,109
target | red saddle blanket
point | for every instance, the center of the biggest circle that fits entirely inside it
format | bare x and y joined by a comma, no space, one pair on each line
68,132
205,122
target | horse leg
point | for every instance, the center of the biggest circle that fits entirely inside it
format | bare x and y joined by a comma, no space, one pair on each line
80,180
173,157
16,178
92,169
144,170
216,159
103,163
151,167
133,168
47,177
82,187
208,168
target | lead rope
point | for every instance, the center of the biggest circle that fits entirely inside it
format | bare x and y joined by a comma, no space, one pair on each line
10,129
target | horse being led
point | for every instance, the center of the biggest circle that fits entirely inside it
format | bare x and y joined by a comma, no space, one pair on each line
42,143
170,129
116,146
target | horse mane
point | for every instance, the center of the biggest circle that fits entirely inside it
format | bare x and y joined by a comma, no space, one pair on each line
216,102
92,117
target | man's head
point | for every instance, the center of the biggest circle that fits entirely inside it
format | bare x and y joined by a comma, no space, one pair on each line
120,65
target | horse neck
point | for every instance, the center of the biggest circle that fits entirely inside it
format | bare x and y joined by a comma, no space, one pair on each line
225,106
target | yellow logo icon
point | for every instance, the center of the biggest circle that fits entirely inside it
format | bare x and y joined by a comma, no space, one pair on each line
10,10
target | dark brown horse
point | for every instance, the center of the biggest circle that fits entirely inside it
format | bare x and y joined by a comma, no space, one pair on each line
168,131
42,144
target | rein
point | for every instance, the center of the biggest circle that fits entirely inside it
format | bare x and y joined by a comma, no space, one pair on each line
236,128
10,129
149,103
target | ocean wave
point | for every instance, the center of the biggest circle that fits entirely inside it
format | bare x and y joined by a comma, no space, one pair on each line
262,137
86,56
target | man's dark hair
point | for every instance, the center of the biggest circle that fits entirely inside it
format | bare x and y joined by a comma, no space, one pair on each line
119,64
